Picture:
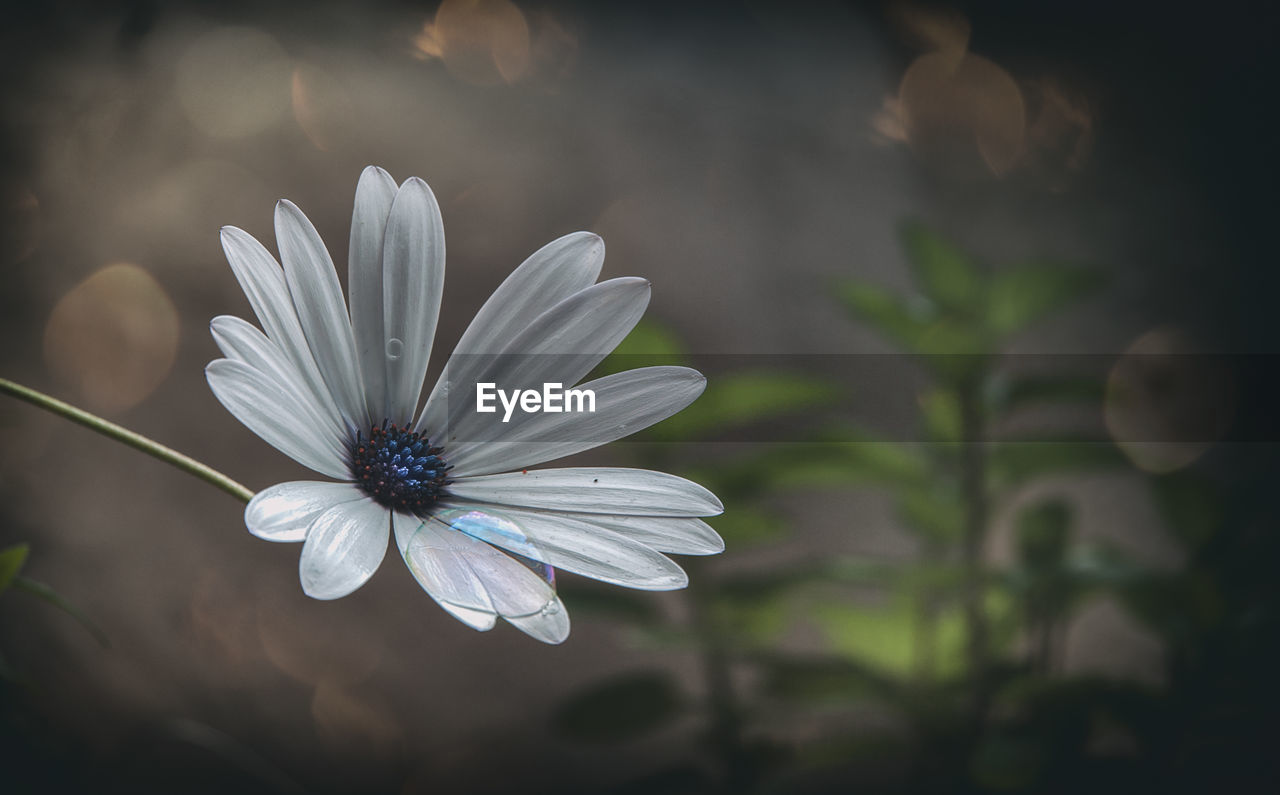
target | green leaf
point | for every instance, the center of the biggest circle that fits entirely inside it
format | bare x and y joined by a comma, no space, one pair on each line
936,514
889,314
744,527
946,274
1013,394
648,345
1014,463
743,398
940,409
621,709
1022,294
1043,531
12,559
857,459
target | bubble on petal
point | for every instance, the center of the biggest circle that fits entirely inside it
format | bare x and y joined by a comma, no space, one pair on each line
502,531
1167,402
234,82
113,338
395,348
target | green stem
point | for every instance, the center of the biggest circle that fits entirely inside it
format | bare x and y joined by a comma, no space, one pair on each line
135,440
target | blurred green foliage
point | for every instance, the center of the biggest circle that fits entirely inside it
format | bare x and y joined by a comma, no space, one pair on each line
965,655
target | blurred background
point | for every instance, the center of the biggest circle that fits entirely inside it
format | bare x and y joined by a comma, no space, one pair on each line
985,291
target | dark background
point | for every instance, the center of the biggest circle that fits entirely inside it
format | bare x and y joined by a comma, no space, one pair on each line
748,158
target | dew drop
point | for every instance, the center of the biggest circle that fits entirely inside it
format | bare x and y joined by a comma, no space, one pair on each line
395,349
551,608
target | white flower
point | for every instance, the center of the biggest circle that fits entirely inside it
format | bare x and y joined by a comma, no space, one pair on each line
339,393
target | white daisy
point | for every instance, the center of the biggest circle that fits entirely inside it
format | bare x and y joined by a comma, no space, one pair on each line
339,394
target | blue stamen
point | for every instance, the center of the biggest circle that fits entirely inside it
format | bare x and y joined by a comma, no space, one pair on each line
398,468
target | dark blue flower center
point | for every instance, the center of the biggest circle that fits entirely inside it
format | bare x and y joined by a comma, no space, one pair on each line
398,468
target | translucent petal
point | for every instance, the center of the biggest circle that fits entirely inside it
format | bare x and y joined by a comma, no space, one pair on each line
549,625
560,346
575,544
456,568
476,619
374,195
283,512
625,403
241,340
344,547
266,409
262,280
317,298
631,492
551,274
412,284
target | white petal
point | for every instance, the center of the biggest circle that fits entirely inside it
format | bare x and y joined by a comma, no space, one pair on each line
264,408
344,547
576,544
241,340
551,274
625,403
263,283
549,625
480,620
317,298
681,535
631,492
560,346
412,284
374,194
456,568
283,512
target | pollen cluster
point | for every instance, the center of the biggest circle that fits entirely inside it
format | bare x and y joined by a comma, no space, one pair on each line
398,468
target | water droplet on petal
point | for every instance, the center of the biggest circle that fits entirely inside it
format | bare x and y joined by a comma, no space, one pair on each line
395,348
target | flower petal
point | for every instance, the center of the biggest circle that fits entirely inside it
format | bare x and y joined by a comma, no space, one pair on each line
317,298
344,547
455,568
262,280
549,625
577,544
283,512
560,346
624,403
374,195
479,620
266,409
240,340
412,284
631,492
551,274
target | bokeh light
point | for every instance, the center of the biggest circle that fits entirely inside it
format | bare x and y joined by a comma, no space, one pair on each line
482,42
113,338
234,82
1167,401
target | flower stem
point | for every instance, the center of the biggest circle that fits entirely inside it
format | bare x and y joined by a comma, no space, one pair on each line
134,440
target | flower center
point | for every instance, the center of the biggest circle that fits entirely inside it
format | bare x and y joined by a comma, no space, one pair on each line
398,468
